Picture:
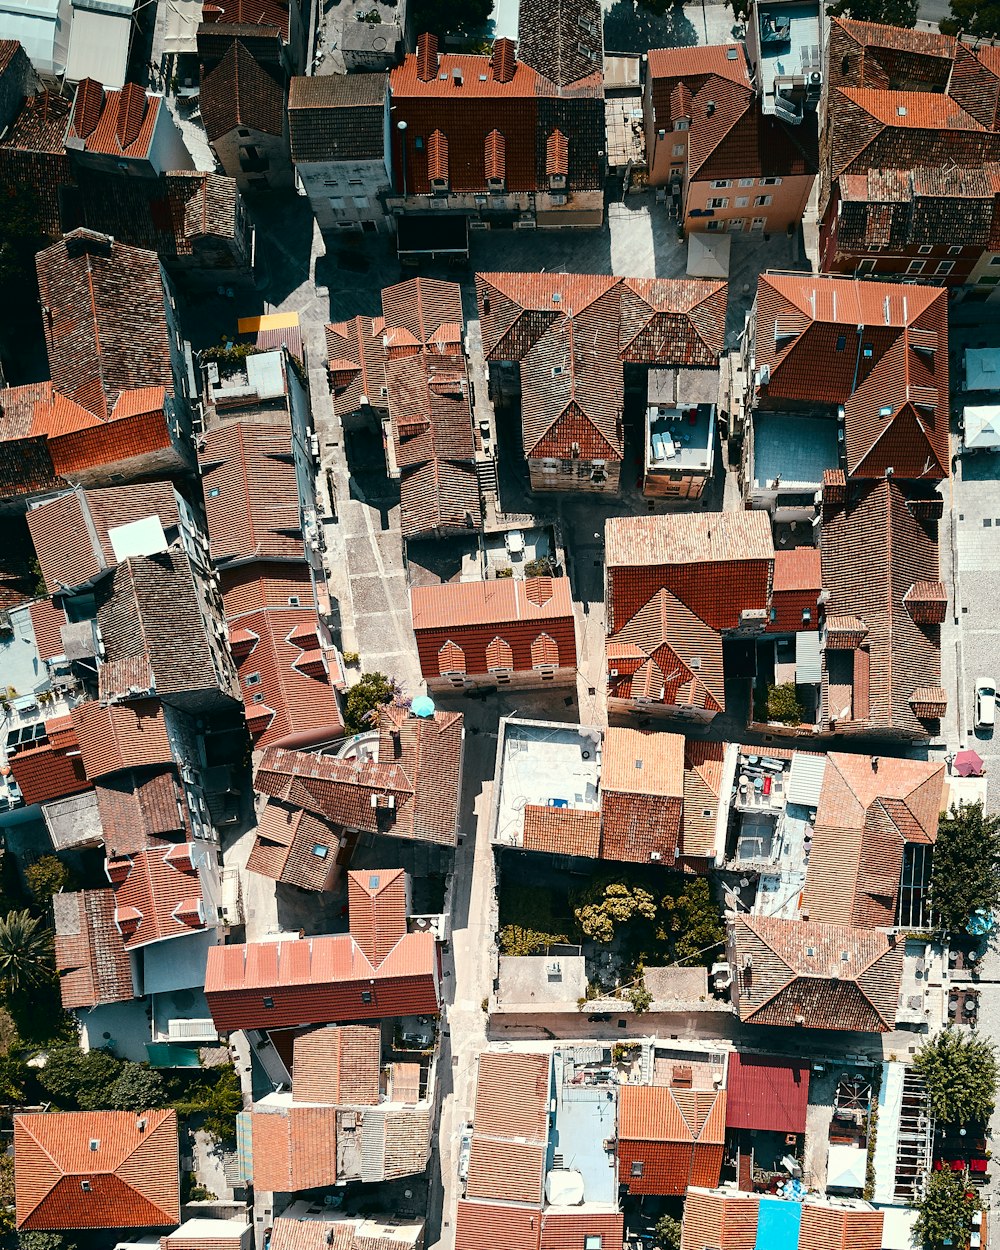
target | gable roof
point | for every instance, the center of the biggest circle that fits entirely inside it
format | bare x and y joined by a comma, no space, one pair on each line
790,971
239,91
53,768
337,117
879,349
251,492
70,532
729,1220
676,1134
140,808
865,817
378,910
132,1176
114,123
439,495
508,1153
114,736
338,1064
93,964
158,893
878,527
767,1092
103,312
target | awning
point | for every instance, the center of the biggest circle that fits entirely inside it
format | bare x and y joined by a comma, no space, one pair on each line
98,47
982,369
805,780
183,20
708,255
845,1168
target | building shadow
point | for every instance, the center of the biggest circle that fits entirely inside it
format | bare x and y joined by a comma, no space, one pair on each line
285,224
632,29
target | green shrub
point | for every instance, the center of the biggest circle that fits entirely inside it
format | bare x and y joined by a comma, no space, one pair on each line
783,704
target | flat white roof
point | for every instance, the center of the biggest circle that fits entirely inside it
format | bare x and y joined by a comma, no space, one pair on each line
144,537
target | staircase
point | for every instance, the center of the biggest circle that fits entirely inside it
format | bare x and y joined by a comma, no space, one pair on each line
486,472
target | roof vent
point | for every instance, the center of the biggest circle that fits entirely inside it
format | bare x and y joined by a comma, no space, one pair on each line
556,297
373,882
845,956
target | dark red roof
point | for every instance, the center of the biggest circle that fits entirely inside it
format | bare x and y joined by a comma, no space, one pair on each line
767,1092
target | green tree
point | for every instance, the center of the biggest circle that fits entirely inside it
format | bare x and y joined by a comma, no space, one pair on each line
667,1233
138,1087
75,1078
45,877
691,923
445,17
25,952
974,17
639,996
960,1072
606,905
373,691
783,704
6,1193
517,940
944,1212
965,873
43,1241
888,12
219,1102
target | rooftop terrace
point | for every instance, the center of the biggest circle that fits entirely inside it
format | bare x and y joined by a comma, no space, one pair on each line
791,56
792,450
541,763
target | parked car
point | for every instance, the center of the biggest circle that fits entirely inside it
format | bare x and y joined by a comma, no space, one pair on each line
986,702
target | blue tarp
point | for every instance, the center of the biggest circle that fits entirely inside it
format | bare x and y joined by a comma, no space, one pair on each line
778,1225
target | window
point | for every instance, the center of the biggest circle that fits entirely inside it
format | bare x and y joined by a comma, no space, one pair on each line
355,182
243,134
770,182
85,1186
269,1003
722,184
990,281
742,201
678,149
369,227
418,144
737,225
336,202
714,225
841,342
761,201
994,260
253,160
746,182
681,123
719,201
320,851
257,698
865,266
925,249
915,266
95,1143
593,1242
366,997
637,1167
252,679
214,493
945,266
954,251
362,201
294,601
806,616
759,223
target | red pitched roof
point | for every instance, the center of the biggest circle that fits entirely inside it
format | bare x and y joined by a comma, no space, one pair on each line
53,768
669,1138
378,910
767,1092
130,1180
113,736
157,893
879,349
93,964
114,123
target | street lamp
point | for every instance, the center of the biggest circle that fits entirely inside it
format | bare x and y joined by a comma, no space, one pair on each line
401,127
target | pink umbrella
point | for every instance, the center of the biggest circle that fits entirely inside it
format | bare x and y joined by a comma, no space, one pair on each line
968,764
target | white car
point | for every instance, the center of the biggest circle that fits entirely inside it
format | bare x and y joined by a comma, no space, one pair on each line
986,702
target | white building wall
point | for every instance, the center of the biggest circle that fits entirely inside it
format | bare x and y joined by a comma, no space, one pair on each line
344,195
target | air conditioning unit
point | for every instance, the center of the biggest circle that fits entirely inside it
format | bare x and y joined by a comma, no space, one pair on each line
525,225
655,855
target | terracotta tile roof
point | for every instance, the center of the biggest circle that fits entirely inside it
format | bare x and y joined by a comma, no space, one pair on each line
787,970
568,1230
429,409
157,893
47,621
677,321
114,123
251,492
132,1177
563,40
284,847
264,584
562,831
50,770
237,90
767,1092
294,1147
117,736
865,817
669,1138
70,531
512,1096
93,964
419,766
155,631
103,312
485,1225
797,568
832,1228
557,155
876,529
356,359
140,808
338,1064
282,673
726,1220
808,337
642,789
439,496
466,616
337,117
703,767
318,980
510,1171
687,538
379,904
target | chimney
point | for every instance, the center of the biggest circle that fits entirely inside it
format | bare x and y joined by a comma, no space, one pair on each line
427,57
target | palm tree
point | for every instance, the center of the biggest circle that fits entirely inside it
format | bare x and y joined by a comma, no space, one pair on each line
25,952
